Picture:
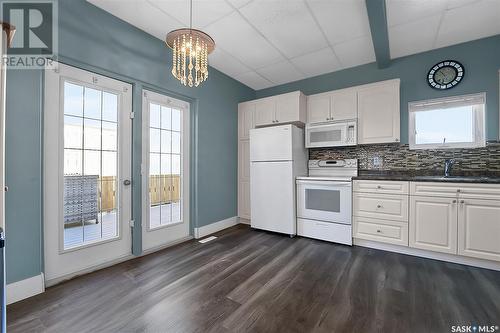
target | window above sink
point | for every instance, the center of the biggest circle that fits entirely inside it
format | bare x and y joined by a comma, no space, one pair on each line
451,122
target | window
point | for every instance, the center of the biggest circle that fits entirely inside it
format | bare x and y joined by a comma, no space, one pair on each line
452,122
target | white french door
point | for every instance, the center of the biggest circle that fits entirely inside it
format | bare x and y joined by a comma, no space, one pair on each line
87,170
165,170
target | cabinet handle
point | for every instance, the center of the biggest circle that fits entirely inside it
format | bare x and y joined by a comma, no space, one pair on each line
379,231
454,201
396,139
458,190
462,201
379,187
379,206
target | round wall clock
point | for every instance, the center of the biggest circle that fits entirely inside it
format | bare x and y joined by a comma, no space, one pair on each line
445,75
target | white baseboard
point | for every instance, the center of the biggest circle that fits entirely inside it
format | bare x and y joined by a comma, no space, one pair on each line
20,290
429,254
214,227
243,220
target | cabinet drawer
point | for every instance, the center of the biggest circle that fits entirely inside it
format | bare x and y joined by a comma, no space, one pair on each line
381,206
464,190
380,186
381,230
332,232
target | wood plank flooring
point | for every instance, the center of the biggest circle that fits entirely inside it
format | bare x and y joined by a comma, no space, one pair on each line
249,280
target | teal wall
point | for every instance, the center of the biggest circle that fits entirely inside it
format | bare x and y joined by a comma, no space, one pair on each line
92,39
480,58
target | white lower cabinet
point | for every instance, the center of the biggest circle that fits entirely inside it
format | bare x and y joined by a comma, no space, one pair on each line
433,224
458,219
386,231
479,228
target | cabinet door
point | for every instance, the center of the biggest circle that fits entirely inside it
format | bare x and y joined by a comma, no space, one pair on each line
378,113
318,108
479,228
245,119
287,108
265,111
433,224
244,200
344,105
244,160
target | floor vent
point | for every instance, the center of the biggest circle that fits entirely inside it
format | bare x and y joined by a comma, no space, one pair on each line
208,239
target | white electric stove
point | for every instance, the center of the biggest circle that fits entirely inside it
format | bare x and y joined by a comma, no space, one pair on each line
324,200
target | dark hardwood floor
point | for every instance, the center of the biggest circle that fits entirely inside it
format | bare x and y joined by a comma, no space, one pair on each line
249,280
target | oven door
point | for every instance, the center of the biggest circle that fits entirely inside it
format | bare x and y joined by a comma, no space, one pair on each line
329,201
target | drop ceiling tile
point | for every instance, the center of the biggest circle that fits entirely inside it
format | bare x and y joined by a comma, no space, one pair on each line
400,12
204,12
254,80
279,73
238,3
316,63
413,37
341,20
243,42
474,21
287,24
355,52
226,63
141,14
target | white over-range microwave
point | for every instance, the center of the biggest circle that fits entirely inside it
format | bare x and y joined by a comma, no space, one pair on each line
342,133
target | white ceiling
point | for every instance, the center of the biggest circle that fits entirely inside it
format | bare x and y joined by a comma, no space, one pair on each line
421,25
264,43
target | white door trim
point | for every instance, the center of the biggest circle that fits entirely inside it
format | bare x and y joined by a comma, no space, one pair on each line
60,262
162,236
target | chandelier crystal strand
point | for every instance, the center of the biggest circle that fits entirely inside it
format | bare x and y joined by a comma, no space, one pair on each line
190,50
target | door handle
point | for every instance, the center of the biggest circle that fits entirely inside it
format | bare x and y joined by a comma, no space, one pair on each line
127,182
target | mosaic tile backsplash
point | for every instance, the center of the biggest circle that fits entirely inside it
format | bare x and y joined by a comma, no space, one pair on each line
398,158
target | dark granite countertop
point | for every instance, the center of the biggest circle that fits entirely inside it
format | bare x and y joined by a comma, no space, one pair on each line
430,176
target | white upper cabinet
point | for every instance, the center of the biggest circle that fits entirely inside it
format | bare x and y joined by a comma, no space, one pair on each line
280,109
332,106
318,108
265,110
246,113
291,108
379,112
344,104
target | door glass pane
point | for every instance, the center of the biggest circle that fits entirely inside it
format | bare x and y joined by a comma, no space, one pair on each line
154,140
176,120
73,99
166,117
90,165
176,142
73,132
165,168
109,136
92,103
325,200
109,107
154,189
92,134
154,115
166,141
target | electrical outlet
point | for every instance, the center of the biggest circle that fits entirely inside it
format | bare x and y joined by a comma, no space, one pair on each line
377,161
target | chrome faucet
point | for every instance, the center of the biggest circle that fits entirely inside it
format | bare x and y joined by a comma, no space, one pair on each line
448,164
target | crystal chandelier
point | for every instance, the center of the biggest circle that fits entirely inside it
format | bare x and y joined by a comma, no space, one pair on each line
190,50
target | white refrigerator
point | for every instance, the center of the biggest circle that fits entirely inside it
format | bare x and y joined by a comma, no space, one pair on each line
277,157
